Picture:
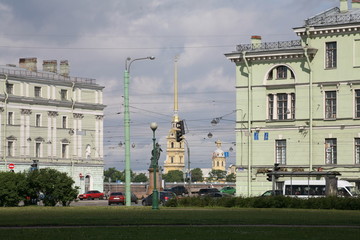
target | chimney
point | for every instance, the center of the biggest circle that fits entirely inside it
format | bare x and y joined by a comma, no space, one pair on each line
50,66
256,41
355,4
64,68
344,6
28,64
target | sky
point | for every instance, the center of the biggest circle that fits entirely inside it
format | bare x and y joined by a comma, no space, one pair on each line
96,37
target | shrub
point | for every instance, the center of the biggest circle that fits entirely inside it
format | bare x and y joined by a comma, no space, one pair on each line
269,202
12,188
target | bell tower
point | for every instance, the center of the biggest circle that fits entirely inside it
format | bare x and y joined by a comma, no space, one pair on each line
175,150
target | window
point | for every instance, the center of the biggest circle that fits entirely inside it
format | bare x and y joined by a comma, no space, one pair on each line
281,72
10,118
63,94
292,105
270,75
37,150
281,151
282,106
330,151
37,91
330,57
9,88
357,150
10,148
64,122
330,104
64,150
38,120
357,103
271,106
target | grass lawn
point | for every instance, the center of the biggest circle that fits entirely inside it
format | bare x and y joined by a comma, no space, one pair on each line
176,223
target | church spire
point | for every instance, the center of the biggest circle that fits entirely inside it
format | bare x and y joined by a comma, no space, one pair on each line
176,105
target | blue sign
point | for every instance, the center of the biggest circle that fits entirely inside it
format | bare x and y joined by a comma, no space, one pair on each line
256,136
266,136
226,154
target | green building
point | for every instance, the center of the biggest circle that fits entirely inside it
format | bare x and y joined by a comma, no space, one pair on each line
49,119
298,102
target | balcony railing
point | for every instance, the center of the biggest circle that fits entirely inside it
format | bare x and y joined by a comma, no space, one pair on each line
332,16
45,75
269,46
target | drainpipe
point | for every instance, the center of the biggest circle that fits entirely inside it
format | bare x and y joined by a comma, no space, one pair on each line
306,49
5,119
249,122
72,116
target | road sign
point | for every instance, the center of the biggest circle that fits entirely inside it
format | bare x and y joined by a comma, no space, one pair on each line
11,166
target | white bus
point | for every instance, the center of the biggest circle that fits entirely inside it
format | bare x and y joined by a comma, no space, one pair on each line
315,188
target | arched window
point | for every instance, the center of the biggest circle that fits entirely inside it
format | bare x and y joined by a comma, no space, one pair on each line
280,72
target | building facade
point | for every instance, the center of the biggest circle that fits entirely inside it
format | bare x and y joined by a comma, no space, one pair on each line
298,102
49,119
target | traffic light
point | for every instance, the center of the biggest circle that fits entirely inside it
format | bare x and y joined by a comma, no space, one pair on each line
276,167
180,130
269,177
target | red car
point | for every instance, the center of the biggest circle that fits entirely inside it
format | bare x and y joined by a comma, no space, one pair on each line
91,195
119,197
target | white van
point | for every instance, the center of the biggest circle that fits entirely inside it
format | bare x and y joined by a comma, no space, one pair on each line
315,188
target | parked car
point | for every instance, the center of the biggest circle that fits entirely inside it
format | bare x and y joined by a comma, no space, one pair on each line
269,193
216,195
205,191
91,195
228,190
179,190
119,197
163,198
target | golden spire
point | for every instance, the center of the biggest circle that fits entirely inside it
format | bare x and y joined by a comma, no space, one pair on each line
176,105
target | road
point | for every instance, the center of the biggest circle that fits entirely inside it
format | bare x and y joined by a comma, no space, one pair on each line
98,203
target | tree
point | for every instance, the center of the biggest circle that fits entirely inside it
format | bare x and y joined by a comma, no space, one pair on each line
12,188
215,175
55,186
113,174
141,177
174,176
231,177
196,175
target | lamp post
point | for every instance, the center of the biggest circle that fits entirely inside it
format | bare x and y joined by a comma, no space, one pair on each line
128,62
154,163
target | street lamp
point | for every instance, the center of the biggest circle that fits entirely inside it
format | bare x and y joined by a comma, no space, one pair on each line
154,163
128,62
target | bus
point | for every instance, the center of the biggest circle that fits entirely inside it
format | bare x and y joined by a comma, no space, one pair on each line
315,188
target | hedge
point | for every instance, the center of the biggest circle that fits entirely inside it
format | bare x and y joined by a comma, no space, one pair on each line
268,202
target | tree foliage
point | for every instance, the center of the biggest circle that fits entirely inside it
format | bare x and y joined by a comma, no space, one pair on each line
216,175
196,175
174,176
55,186
141,177
12,188
231,177
114,175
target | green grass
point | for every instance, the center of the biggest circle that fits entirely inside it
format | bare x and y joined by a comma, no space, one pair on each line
176,223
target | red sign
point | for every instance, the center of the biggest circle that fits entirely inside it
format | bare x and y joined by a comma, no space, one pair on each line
11,166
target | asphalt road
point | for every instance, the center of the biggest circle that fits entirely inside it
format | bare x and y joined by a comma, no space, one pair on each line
99,203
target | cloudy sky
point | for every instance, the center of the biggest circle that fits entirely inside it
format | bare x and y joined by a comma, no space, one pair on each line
97,36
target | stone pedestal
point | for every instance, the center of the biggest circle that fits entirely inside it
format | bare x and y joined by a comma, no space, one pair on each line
151,181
